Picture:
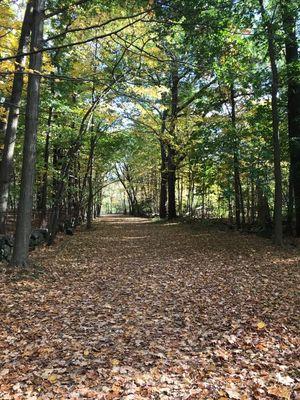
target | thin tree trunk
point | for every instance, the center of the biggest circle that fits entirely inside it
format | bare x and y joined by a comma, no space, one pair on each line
44,187
252,211
236,169
171,184
290,210
90,184
171,151
242,200
292,58
230,217
60,185
89,218
237,192
275,128
23,228
190,195
203,197
179,189
263,210
163,182
13,117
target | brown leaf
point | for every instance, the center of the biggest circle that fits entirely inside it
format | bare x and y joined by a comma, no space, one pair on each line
280,392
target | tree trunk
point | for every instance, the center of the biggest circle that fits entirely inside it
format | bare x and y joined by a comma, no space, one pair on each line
44,186
90,184
236,168
23,227
263,210
275,128
242,200
230,213
180,194
171,151
292,58
163,182
89,218
171,184
13,117
252,207
59,185
290,210
237,192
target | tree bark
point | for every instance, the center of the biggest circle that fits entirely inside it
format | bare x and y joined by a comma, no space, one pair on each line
171,151
44,185
13,116
252,210
290,207
275,128
171,184
163,182
292,58
23,227
89,218
236,167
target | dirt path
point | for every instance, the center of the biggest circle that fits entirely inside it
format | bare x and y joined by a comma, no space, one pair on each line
141,310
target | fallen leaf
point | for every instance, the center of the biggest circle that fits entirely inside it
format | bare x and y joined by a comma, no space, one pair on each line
280,392
233,393
4,372
261,325
52,378
285,380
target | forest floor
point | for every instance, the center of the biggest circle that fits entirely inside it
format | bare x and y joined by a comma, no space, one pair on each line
136,309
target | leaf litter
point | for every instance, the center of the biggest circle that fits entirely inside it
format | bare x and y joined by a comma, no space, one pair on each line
138,310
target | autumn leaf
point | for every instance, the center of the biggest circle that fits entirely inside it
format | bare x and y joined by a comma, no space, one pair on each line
280,392
4,372
155,324
233,393
285,380
261,325
52,378
222,354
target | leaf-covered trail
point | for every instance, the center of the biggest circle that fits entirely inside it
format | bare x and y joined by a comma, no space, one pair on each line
140,310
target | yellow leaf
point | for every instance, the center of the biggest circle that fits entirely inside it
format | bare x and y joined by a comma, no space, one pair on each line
115,362
52,378
280,392
261,325
86,352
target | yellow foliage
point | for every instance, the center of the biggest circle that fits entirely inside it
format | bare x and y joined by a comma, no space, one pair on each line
52,378
261,325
